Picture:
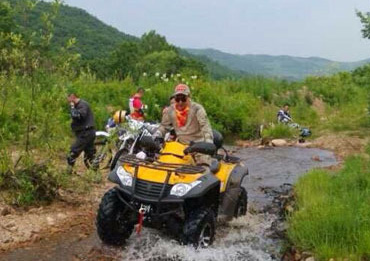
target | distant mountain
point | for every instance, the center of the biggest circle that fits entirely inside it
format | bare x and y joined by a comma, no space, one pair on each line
283,66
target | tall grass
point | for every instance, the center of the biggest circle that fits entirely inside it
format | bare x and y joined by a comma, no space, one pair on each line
279,131
333,216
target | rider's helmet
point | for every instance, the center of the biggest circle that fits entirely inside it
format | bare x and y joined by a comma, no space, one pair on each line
119,116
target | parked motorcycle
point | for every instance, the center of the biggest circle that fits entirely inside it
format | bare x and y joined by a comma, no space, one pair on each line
122,140
133,132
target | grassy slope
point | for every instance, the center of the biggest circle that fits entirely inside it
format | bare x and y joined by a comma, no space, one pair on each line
333,216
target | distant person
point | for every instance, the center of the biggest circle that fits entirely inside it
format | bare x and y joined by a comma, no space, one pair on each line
83,126
136,105
283,115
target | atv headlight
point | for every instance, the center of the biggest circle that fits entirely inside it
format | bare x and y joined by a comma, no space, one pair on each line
182,188
124,176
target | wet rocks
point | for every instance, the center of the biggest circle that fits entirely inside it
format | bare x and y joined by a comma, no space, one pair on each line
279,143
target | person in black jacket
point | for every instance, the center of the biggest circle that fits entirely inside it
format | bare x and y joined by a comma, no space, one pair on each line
83,126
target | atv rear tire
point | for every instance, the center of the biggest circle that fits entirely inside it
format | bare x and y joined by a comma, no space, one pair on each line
199,228
112,222
242,204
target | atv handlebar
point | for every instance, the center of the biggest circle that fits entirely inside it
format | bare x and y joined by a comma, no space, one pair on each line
201,147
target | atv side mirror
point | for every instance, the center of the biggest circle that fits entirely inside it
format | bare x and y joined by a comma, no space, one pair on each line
201,147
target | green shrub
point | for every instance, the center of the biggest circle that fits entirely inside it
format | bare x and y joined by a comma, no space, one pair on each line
279,131
333,214
31,183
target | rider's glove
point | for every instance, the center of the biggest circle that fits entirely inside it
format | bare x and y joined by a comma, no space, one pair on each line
157,134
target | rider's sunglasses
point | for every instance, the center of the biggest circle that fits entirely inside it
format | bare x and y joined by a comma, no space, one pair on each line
179,98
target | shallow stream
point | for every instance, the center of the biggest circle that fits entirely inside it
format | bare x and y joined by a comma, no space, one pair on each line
253,237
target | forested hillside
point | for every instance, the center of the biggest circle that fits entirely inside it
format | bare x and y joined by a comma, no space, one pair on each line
102,48
95,39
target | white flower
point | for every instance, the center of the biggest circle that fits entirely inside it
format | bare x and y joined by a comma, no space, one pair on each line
145,74
183,79
164,75
171,75
178,75
148,90
194,77
157,74
156,105
166,80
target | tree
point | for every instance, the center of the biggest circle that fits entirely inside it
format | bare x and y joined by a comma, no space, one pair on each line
153,42
124,59
163,62
6,17
365,20
360,73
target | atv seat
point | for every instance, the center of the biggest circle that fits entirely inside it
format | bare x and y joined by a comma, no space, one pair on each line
215,166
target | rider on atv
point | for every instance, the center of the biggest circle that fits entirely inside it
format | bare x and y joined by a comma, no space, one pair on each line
163,189
189,120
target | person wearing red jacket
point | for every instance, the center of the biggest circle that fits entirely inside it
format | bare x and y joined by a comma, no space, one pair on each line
136,105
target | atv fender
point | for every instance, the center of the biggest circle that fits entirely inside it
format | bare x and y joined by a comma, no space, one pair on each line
233,189
209,182
112,177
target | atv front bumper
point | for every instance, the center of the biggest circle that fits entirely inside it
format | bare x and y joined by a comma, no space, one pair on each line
156,210
127,191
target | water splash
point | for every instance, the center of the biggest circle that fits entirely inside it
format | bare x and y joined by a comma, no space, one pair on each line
245,238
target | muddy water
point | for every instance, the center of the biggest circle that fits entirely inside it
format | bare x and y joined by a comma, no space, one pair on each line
247,238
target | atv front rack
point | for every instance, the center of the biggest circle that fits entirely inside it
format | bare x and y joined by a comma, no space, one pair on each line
157,165
156,191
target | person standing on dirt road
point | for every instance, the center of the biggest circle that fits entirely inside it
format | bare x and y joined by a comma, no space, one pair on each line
189,120
83,126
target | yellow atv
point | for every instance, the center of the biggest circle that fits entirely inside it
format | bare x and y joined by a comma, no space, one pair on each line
166,190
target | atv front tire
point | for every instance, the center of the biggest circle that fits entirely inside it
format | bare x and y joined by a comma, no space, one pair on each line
199,228
242,204
113,220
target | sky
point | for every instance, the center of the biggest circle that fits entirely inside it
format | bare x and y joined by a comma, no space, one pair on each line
305,28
